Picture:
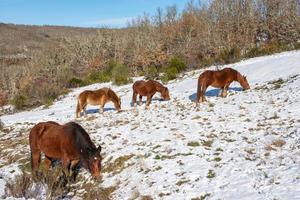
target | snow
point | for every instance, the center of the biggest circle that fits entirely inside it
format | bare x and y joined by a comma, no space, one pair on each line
8,173
222,149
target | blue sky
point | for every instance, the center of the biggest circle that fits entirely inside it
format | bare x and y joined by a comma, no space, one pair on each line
89,13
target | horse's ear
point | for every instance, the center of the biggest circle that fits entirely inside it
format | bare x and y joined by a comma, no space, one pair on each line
99,149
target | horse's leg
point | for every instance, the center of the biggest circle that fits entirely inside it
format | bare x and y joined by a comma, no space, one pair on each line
74,170
140,100
84,109
221,92
199,91
66,164
225,90
35,159
78,109
134,95
149,97
101,108
47,162
203,90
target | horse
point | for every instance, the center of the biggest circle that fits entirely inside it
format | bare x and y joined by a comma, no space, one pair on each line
219,79
69,143
148,89
97,97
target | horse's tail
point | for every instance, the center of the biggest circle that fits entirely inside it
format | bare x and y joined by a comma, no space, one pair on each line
34,136
199,90
78,108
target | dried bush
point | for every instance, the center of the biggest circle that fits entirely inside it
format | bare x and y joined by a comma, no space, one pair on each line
21,187
3,98
19,101
75,82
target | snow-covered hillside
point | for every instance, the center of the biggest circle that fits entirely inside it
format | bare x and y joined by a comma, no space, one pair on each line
245,146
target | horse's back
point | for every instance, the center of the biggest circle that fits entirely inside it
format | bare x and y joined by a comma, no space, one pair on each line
83,95
206,76
227,74
228,70
41,126
92,97
138,85
38,131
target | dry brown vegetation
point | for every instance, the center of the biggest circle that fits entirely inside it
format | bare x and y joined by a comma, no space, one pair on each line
39,63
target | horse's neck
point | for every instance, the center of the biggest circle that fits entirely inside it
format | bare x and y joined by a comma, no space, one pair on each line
238,77
159,87
112,95
106,90
83,143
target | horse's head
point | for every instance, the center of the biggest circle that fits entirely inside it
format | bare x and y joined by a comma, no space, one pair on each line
165,94
94,162
118,104
244,82
115,99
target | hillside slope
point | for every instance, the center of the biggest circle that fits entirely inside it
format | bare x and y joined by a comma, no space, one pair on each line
245,146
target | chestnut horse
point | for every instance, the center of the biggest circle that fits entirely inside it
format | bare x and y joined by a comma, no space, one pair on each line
219,79
148,89
97,97
69,143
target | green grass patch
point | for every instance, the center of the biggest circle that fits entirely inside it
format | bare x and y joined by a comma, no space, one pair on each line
193,144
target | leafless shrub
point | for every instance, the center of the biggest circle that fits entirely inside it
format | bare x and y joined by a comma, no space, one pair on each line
220,31
278,143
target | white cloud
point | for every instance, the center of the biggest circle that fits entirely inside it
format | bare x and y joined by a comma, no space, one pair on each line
113,22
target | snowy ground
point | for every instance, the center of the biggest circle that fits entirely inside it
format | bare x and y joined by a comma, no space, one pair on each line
245,146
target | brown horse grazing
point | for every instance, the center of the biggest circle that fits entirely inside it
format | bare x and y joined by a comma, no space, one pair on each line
97,97
148,89
69,143
219,79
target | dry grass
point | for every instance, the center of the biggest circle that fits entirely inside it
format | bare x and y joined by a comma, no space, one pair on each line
181,182
92,192
118,165
278,143
24,186
270,148
207,143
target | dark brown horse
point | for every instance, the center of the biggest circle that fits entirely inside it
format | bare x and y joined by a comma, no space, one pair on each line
148,89
97,97
219,79
69,143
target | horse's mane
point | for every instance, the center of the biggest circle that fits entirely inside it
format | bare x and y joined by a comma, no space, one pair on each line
82,140
112,95
157,84
236,73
